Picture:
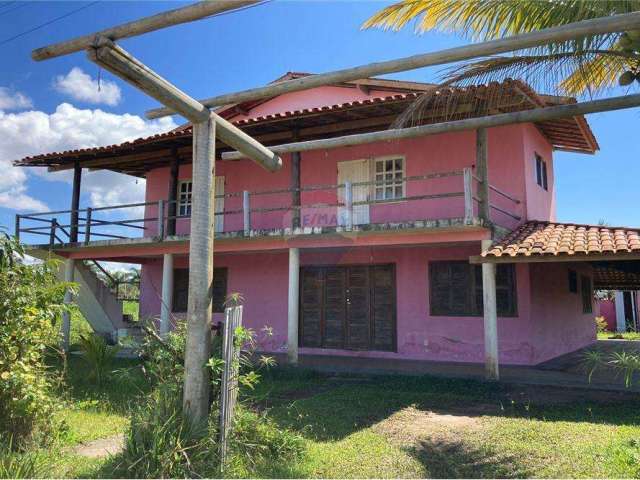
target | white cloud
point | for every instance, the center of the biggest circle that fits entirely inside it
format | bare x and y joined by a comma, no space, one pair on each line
80,86
34,132
13,100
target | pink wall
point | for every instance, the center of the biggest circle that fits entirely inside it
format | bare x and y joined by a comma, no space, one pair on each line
549,322
541,204
557,323
607,309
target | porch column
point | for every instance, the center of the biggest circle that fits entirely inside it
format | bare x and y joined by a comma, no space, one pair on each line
167,293
294,285
482,171
173,192
295,189
490,318
75,202
65,328
621,320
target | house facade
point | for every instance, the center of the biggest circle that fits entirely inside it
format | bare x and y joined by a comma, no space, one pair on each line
384,239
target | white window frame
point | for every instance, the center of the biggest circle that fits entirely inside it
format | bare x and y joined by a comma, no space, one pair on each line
394,184
184,199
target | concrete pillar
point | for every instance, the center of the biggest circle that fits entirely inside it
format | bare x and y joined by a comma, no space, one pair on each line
294,287
65,328
167,293
490,318
621,321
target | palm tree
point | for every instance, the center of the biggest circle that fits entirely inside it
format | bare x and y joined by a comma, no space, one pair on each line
583,66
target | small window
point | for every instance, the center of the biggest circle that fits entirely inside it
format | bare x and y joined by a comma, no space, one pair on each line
541,172
573,281
181,289
587,294
456,289
389,179
184,198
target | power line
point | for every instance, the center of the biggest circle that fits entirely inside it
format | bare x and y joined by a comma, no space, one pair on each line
42,25
17,7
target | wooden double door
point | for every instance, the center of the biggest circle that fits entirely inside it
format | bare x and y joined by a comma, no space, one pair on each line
348,307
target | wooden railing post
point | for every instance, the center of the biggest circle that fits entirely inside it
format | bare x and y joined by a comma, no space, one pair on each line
161,219
482,170
17,231
246,212
87,227
468,195
52,233
348,205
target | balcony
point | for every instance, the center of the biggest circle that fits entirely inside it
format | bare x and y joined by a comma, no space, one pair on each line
433,200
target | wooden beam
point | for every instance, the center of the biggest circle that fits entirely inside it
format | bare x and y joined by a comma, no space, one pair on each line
75,202
571,31
121,63
172,206
144,25
482,171
526,116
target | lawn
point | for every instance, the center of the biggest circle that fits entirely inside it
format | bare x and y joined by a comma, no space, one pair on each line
620,336
397,426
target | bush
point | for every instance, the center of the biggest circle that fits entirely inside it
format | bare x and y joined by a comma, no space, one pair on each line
97,355
161,442
13,464
31,302
601,325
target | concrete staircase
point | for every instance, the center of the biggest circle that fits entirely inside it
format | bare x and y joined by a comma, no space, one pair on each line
96,301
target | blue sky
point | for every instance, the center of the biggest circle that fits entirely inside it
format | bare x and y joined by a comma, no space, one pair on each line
224,54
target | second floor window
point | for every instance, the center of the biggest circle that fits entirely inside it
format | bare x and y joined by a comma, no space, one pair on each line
541,172
388,175
184,198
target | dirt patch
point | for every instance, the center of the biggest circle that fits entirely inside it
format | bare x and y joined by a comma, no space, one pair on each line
409,425
100,448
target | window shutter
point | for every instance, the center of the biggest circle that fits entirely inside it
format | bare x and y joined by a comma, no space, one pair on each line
358,305
219,289
333,331
383,303
311,300
180,290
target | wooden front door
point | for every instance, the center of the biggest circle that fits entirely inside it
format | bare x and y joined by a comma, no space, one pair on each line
348,307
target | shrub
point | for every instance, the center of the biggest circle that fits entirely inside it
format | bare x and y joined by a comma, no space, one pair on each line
601,325
161,442
31,302
622,362
97,355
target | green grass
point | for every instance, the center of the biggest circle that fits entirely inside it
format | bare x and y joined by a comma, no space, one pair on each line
388,427
624,335
131,308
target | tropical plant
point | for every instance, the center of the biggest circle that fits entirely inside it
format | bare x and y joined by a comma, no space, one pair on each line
622,362
98,356
31,304
14,464
585,65
601,324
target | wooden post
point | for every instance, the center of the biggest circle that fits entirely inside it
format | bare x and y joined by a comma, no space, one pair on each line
490,317
17,228
160,220
292,324
468,195
167,293
75,202
172,204
87,227
65,327
198,342
52,232
295,190
246,213
482,171
348,205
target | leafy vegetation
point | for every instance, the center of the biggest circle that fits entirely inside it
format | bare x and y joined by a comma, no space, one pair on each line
98,356
31,303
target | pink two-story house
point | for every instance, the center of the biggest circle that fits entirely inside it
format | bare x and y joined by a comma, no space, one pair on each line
379,244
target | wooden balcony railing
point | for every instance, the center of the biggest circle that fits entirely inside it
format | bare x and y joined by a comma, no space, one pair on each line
153,219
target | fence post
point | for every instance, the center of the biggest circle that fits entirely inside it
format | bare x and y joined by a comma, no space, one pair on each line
348,204
468,195
161,219
52,233
17,227
246,212
87,227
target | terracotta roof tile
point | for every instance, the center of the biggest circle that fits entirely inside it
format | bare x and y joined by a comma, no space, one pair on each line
545,238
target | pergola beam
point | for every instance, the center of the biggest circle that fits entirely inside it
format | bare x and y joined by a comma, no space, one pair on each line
526,116
144,25
122,64
571,31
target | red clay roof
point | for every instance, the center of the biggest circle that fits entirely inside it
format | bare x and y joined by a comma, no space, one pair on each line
565,239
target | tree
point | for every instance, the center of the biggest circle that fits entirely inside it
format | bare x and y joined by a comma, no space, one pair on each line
585,65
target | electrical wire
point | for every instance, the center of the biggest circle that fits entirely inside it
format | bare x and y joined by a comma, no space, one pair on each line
47,23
